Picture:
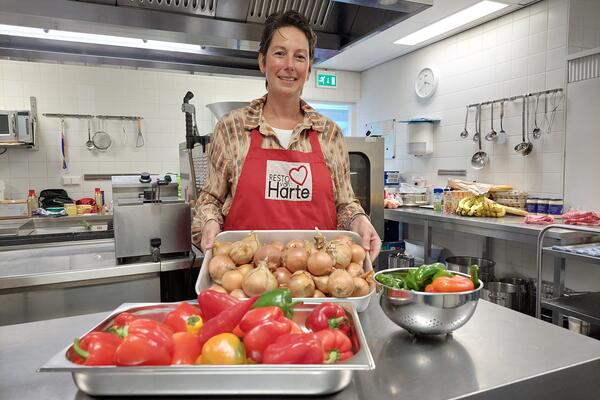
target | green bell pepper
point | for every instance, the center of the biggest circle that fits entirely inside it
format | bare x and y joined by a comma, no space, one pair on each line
281,298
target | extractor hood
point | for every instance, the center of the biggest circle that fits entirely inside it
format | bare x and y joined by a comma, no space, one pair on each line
228,31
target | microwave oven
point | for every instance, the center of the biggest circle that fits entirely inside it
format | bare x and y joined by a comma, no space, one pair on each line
16,128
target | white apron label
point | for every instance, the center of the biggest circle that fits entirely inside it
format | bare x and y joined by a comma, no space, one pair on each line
288,181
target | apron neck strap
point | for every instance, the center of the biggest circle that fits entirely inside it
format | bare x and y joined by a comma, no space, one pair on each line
256,139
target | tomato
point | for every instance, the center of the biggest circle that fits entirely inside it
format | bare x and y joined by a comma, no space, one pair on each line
186,348
224,348
454,284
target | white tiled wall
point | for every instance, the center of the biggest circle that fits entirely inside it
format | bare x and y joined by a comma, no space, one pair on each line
517,53
154,95
584,25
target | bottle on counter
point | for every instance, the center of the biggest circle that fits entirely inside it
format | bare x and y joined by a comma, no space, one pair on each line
32,202
532,205
438,195
98,199
542,206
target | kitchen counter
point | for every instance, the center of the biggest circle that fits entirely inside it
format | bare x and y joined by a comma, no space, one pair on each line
498,354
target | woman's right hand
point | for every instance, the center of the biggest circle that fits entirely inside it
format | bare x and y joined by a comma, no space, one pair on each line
209,232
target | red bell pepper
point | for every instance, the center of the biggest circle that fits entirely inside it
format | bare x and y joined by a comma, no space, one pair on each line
186,348
121,323
212,303
184,318
257,316
97,348
336,345
454,284
327,315
305,348
226,321
138,349
264,334
148,342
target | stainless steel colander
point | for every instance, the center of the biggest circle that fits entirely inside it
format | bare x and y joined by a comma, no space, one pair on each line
424,313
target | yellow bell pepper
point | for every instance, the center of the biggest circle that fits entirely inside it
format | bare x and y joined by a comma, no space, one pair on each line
225,348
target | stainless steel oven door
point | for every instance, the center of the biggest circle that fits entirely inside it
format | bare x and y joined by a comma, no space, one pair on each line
366,175
8,126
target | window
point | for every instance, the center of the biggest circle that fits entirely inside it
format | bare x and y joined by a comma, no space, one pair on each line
340,113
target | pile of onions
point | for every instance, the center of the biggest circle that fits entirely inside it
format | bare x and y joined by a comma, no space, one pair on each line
316,268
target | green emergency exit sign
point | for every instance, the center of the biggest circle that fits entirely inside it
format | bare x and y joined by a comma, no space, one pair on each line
326,80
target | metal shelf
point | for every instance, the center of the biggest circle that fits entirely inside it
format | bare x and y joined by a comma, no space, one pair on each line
570,255
583,306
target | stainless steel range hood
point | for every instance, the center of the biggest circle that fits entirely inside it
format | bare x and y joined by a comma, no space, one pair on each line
228,30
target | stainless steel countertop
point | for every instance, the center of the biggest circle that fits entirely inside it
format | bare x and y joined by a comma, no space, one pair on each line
63,262
510,227
499,354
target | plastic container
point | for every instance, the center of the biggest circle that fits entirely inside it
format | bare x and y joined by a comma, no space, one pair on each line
32,202
555,206
98,198
438,196
542,206
204,280
532,205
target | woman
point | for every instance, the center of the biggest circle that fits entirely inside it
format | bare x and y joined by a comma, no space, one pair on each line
278,164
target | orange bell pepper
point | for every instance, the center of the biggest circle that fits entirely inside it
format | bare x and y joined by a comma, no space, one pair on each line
224,348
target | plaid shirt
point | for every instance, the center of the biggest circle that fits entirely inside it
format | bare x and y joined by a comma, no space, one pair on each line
229,146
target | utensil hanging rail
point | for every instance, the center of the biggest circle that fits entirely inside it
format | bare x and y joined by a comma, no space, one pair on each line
513,98
88,116
120,117
65,116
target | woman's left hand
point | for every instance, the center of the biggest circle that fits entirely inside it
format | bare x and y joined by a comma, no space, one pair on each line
370,239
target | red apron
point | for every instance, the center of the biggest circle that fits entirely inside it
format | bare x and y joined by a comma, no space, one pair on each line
283,190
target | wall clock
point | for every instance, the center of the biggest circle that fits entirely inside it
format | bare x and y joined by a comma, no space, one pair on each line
426,83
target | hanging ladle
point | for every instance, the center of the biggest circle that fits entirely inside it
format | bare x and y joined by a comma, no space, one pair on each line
90,143
537,132
465,134
525,147
480,158
501,138
492,134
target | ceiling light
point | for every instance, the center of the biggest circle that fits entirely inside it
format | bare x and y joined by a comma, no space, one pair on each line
463,17
51,34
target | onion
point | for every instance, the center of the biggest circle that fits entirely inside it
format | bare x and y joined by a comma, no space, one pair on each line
241,253
340,284
271,253
321,282
238,293
232,280
301,284
355,270
245,268
361,287
295,243
318,293
282,275
221,248
344,239
218,265
259,280
217,288
295,258
278,244
340,252
320,263
358,254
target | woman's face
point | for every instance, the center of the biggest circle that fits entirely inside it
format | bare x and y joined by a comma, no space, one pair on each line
286,64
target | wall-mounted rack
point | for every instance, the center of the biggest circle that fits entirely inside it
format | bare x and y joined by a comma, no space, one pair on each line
120,117
513,98
65,116
88,116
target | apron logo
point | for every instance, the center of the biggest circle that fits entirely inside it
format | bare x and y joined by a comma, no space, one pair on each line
298,175
288,181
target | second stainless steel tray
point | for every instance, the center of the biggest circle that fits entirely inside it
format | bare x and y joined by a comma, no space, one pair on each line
204,281
259,379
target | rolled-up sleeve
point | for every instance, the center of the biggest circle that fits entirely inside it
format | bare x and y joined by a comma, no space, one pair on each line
209,205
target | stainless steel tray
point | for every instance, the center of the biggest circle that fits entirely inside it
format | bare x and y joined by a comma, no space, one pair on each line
259,379
204,281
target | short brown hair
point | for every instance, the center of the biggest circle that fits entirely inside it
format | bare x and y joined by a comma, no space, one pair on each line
281,20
